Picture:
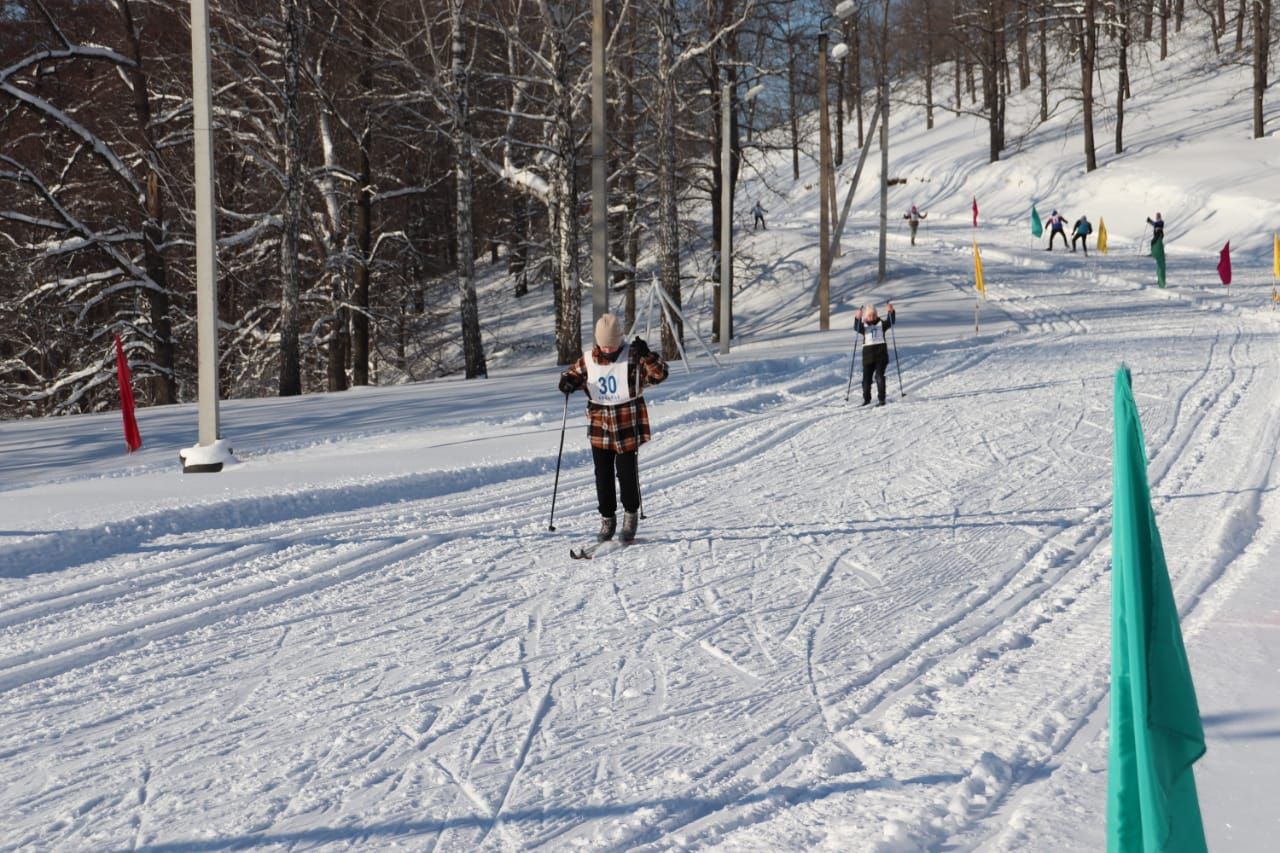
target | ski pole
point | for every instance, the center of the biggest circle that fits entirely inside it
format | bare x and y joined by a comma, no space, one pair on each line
642,515
896,363
551,524
853,360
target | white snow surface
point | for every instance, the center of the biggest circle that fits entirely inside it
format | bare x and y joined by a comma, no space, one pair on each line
840,628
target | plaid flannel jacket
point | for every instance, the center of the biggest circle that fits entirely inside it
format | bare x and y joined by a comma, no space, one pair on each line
625,427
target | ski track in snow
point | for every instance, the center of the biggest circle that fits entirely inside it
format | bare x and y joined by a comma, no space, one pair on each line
841,628
730,675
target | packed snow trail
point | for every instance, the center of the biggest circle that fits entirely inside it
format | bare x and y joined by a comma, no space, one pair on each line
850,626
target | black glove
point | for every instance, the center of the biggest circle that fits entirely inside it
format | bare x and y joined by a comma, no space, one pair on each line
566,385
640,348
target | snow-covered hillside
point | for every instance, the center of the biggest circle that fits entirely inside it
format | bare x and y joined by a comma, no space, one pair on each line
841,628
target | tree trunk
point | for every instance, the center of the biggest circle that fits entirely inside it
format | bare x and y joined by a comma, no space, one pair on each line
928,66
1261,44
1044,62
838,154
1164,29
518,255
163,386
793,112
715,118
991,88
1088,46
668,198
1024,56
364,234
628,180
1122,84
855,72
290,273
564,188
957,58
464,179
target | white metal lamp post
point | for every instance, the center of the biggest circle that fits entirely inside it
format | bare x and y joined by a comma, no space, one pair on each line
726,211
826,178
211,450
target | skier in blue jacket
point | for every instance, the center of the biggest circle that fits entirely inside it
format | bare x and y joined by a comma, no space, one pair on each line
1081,231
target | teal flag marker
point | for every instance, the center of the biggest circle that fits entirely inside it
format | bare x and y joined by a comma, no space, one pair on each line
1156,734
1037,229
1157,252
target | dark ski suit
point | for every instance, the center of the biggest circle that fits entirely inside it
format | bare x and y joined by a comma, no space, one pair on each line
1081,231
875,352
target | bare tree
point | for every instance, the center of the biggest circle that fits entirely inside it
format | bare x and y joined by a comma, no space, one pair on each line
668,247
1085,26
1261,52
473,348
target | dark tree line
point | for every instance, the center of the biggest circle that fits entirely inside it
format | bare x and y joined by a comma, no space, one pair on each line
374,158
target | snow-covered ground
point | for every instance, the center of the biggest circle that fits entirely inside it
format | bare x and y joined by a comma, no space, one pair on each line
841,628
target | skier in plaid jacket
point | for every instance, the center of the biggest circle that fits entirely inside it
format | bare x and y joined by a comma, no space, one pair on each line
614,376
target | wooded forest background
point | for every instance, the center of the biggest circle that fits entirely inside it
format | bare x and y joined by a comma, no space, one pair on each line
369,153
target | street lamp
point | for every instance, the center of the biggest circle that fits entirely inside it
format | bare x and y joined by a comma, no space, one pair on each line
211,450
726,210
826,175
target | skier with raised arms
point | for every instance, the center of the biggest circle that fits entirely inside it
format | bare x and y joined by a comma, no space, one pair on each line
875,349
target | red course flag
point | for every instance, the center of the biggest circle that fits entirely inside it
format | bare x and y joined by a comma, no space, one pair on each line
1224,264
131,435
975,211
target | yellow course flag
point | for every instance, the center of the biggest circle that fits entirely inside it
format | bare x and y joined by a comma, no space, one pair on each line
977,271
1275,255
1102,235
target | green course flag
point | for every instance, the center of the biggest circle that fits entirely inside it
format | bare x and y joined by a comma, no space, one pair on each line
1155,722
1037,229
1157,252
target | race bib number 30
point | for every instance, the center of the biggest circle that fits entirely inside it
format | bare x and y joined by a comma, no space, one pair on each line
607,383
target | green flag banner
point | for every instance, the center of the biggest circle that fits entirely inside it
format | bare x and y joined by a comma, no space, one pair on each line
1155,721
1037,229
1157,252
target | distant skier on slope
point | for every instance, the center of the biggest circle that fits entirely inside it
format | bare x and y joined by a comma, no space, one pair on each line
614,375
758,212
1057,225
1081,231
875,350
913,217
1157,228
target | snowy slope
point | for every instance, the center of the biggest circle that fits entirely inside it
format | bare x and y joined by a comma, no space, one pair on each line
841,628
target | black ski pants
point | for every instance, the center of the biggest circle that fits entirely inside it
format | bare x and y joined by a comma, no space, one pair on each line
1054,233
875,359
626,467
1084,241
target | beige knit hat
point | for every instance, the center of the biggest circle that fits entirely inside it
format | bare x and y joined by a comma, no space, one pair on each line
608,332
